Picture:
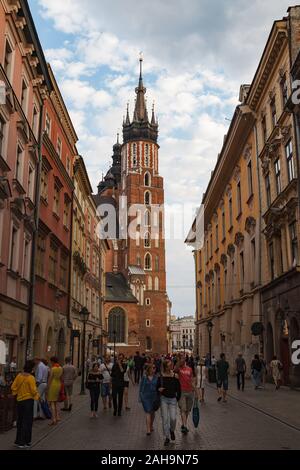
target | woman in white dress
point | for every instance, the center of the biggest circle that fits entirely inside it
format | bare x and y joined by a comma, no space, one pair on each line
201,379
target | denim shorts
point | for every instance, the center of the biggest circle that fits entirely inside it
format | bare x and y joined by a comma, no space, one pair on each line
224,383
105,390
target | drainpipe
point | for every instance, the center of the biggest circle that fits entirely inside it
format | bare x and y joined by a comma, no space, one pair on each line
29,336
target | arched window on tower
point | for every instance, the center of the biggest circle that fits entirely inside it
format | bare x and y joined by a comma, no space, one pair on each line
148,262
147,218
156,284
147,240
116,325
156,263
149,283
147,180
147,198
147,155
134,155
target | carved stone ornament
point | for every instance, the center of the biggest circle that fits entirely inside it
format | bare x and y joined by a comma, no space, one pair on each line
250,225
237,173
285,133
217,267
207,278
272,94
221,204
228,190
223,260
272,148
239,239
231,250
247,152
215,217
265,164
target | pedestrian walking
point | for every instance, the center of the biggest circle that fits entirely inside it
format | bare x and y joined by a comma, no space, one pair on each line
25,390
241,368
54,388
105,370
256,368
149,396
138,367
222,370
201,379
169,388
263,370
188,386
41,377
69,377
126,388
118,384
130,365
276,368
93,383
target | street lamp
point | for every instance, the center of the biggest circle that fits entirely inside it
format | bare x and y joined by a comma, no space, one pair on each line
90,337
84,316
115,337
210,326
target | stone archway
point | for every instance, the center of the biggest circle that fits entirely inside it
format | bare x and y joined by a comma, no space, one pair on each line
49,343
61,345
36,346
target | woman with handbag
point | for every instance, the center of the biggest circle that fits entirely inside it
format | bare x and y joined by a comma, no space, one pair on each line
169,388
93,384
25,390
54,389
149,396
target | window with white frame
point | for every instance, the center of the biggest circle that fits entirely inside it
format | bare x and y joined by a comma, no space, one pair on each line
56,199
156,284
147,180
59,147
24,95
3,131
8,59
19,164
147,241
48,125
148,323
14,248
148,302
290,160
30,185
147,198
148,262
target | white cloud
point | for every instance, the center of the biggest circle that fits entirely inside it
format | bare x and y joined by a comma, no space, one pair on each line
196,56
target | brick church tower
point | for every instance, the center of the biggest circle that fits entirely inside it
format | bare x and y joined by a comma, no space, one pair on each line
136,297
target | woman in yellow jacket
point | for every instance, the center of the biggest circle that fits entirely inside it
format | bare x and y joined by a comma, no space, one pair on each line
25,390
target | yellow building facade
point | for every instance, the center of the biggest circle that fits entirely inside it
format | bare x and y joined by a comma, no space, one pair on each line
247,267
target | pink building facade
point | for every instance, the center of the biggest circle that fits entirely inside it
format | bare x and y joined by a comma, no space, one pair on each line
25,80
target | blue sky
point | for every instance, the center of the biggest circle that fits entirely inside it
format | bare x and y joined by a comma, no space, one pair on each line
197,53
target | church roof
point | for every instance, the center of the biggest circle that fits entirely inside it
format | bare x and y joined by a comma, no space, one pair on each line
136,270
117,289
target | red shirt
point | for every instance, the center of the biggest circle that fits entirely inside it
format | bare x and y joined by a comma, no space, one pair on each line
186,379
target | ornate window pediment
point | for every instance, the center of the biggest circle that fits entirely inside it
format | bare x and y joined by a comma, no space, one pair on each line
239,239
250,225
231,250
224,260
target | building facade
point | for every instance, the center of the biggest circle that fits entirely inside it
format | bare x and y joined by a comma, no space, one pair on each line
182,332
136,301
53,245
247,267
87,268
25,80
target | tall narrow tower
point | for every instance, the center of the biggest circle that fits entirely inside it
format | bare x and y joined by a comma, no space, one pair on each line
144,255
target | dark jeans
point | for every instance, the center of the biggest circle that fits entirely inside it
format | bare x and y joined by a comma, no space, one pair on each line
24,422
117,396
239,376
95,394
137,374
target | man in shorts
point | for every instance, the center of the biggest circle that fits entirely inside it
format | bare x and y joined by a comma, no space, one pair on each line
222,368
105,370
69,377
187,384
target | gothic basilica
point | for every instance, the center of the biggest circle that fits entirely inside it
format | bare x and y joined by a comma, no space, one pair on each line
136,302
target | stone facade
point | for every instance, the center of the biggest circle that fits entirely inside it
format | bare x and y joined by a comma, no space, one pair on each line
247,267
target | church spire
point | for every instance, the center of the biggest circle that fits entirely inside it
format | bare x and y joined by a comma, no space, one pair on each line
127,122
140,112
153,121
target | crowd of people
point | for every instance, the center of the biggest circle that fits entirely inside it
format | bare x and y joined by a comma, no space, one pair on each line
165,383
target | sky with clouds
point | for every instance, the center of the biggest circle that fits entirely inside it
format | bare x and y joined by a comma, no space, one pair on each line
197,53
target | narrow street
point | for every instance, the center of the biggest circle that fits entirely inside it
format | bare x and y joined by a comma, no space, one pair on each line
251,420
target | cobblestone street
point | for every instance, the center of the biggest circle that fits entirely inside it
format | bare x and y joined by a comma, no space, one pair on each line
251,420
